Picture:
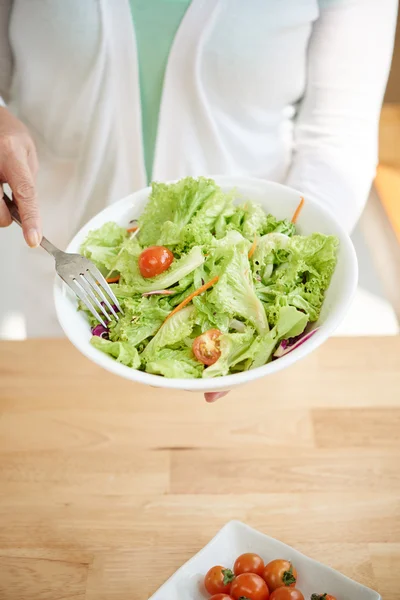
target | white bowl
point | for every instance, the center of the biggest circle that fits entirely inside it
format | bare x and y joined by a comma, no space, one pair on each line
277,199
235,539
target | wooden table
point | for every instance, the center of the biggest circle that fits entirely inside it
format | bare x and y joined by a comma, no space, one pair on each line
107,487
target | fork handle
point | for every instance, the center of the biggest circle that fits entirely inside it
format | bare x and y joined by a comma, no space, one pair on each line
13,210
12,207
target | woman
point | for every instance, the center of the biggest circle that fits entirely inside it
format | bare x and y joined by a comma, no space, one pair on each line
108,94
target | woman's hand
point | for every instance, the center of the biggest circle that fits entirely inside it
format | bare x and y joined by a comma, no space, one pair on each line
214,396
18,168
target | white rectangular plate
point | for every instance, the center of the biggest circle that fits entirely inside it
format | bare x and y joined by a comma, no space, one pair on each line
235,539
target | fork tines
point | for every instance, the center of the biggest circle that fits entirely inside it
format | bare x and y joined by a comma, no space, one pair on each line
94,291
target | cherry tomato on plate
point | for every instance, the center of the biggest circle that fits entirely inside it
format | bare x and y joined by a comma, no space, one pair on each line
249,586
221,597
218,580
154,261
322,597
279,573
249,563
206,347
286,593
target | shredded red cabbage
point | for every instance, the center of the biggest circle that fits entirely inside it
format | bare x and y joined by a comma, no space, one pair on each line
115,307
290,344
100,331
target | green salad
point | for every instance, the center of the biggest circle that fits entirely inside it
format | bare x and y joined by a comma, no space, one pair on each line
208,287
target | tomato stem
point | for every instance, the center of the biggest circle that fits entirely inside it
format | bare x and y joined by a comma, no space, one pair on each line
228,576
288,578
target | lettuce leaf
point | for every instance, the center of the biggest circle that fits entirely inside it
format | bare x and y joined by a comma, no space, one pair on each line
267,254
303,277
174,331
175,364
102,245
284,226
142,319
291,322
171,207
202,227
252,221
122,351
234,293
267,244
207,317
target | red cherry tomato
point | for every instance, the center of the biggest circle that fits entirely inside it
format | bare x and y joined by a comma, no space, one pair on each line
206,347
249,563
221,597
279,573
322,597
286,593
218,580
154,261
249,586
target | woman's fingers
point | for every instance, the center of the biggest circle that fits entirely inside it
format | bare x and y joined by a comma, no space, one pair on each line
18,175
213,396
5,217
18,168
33,162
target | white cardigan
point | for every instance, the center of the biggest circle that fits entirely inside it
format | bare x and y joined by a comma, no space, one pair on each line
288,90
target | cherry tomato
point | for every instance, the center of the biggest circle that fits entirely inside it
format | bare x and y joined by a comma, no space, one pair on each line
322,597
221,597
249,563
286,593
154,261
218,580
279,573
249,586
206,347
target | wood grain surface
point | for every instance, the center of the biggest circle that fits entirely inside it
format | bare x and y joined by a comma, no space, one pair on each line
107,487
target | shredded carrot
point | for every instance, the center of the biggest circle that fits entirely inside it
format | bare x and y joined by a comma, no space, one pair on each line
253,248
132,229
298,211
112,279
197,292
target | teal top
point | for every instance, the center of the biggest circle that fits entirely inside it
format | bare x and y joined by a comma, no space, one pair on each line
156,23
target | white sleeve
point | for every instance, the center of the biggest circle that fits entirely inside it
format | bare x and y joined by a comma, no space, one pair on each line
336,129
5,50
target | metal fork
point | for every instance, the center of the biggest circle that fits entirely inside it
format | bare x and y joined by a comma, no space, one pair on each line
80,275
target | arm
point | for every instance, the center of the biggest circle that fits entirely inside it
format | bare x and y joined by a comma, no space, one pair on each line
336,130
